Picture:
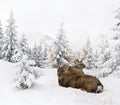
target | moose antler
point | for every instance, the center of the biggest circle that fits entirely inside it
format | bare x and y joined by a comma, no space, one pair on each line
73,58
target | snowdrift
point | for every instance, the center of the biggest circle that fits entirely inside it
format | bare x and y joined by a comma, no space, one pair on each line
46,90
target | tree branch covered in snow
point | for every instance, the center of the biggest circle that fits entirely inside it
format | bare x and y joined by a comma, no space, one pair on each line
26,74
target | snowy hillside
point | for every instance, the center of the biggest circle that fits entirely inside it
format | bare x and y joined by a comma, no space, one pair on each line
46,90
37,38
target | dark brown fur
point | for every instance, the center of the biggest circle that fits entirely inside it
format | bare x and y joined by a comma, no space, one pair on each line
88,83
74,71
72,77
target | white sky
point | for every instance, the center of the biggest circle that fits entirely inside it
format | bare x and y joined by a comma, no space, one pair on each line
82,18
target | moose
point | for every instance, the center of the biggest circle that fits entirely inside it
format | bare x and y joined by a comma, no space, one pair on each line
74,77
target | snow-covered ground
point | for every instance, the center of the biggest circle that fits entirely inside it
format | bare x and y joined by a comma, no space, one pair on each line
46,90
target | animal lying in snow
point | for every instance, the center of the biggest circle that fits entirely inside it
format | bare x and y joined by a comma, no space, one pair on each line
75,78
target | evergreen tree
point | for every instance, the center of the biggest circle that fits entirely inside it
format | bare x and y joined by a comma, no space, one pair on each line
26,75
114,46
24,45
104,51
90,58
1,40
116,38
117,17
106,61
11,39
116,52
39,55
60,48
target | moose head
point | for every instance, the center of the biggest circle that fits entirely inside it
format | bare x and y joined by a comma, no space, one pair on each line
79,64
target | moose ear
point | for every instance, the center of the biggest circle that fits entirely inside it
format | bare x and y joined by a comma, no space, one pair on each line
76,61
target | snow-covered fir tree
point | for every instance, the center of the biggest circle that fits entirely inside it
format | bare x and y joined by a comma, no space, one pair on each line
30,52
116,57
104,50
24,45
109,59
96,58
117,19
11,43
115,42
40,55
116,37
1,40
26,74
60,48
90,57
106,61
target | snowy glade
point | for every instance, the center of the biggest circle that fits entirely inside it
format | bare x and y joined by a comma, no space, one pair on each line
105,60
28,74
